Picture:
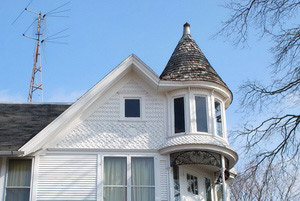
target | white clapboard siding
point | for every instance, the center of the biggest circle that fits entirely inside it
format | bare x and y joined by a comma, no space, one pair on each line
67,177
163,180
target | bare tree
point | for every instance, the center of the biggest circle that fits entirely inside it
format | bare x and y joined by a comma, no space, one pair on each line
280,185
274,139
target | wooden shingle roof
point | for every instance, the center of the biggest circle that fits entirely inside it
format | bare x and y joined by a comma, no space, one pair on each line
188,63
21,122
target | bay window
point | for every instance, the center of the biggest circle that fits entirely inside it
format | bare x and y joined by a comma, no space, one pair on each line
18,180
141,183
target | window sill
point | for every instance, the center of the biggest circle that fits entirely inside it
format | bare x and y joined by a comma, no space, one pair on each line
132,120
195,133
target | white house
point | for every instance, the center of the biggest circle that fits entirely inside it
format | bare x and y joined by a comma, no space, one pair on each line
135,136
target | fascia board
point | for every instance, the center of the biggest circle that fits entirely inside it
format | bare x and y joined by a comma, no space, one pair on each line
84,102
165,86
146,70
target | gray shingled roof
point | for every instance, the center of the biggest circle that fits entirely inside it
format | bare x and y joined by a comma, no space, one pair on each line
188,63
21,122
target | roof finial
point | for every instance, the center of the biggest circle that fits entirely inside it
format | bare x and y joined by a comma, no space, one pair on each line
186,29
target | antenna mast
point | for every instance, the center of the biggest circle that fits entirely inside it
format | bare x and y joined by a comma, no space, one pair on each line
37,64
36,82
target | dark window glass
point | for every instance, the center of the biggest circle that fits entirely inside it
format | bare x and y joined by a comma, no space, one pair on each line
192,184
179,115
132,108
208,189
201,114
218,118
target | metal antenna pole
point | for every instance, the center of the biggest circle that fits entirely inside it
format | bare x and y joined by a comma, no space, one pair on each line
37,65
36,82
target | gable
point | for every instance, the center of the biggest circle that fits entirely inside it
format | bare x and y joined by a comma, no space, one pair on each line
90,101
106,128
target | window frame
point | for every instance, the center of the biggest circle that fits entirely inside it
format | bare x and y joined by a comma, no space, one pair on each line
129,185
142,107
196,184
6,176
194,112
112,185
185,107
211,188
222,118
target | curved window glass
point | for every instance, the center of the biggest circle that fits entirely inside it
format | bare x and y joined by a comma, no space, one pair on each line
218,119
201,115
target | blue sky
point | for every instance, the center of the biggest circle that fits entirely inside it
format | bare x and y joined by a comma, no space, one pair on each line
103,33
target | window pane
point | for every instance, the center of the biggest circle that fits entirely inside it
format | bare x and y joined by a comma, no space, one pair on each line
142,171
201,114
115,194
143,194
192,184
218,118
17,194
115,171
19,172
176,183
179,115
132,108
208,189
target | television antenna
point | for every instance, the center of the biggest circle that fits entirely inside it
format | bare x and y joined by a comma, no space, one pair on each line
36,82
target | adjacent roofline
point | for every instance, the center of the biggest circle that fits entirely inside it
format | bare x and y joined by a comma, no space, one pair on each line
11,153
38,103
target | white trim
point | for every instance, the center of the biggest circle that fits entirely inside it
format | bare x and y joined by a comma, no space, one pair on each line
31,176
99,178
222,117
173,85
186,113
3,178
142,99
93,151
156,171
195,113
224,188
35,171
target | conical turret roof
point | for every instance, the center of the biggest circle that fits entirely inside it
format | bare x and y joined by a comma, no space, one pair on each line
188,63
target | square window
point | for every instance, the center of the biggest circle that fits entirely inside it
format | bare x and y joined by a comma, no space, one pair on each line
132,108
